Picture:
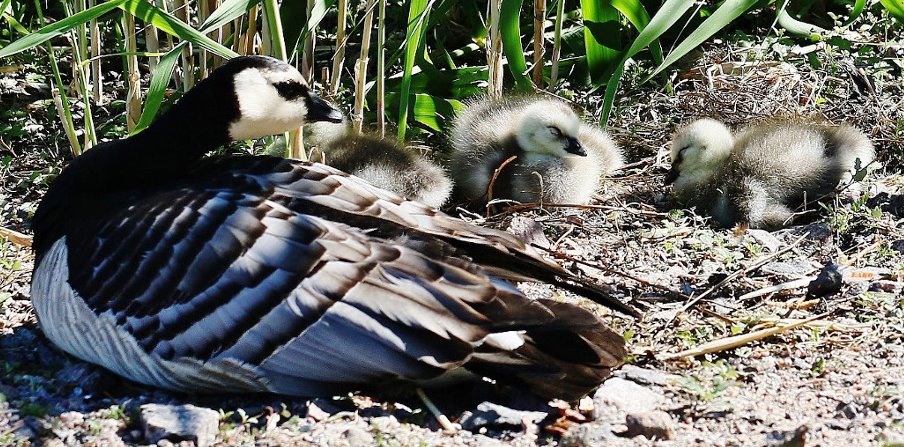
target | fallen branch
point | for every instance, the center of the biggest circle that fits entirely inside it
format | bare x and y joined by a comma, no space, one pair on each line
735,341
802,282
20,239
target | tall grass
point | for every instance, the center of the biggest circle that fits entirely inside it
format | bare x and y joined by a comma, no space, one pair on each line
430,54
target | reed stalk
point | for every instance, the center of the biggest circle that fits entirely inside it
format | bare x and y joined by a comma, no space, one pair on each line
251,32
494,51
133,77
79,44
556,44
64,110
361,67
203,13
539,31
307,57
96,76
188,60
339,57
381,69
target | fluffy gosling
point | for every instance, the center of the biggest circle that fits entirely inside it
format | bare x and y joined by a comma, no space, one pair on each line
766,172
559,159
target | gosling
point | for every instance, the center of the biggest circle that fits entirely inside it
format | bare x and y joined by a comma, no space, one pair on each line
380,162
558,158
765,173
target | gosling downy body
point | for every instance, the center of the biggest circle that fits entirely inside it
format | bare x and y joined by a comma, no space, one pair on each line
559,158
262,274
762,176
381,162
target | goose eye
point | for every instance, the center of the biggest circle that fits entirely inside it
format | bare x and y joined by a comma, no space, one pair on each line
555,131
291,89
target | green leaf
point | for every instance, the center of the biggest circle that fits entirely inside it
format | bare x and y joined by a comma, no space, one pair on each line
797,27
434,112
227,12
57,28
855,12
417,14
636,13
510,29
894,7
602,38
297,25
156,90
670,12
725,14
165,22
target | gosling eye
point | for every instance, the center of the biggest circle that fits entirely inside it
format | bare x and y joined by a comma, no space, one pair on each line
555,131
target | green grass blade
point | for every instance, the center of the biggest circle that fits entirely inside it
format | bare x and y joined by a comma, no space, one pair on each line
227,12
670,12
156,90
58,28
318,12
417,13
797,27
169,24
894,7
636,13
602,41
509,16
855,12
725,14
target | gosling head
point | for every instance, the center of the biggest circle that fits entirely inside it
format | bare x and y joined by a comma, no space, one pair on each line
272,98
550,128
698,151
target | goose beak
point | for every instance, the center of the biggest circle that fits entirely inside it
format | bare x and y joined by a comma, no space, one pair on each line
320,110
575,147
672,175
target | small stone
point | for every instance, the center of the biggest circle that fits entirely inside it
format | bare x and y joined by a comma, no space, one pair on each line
358,437
179,423
529,231
588,435
617,397
315,413
827,282
789,438
788,269
642,376
490,414
651,424
72,418
765,239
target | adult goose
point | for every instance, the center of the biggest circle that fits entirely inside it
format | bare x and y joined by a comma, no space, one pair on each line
558,158
261,274
764,174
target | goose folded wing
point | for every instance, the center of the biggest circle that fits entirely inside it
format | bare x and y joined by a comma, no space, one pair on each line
235,274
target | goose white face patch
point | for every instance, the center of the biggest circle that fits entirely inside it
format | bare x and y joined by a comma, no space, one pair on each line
262,109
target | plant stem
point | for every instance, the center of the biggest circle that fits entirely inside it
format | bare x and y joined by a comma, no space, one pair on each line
381,69
307,59
59,93
361,67
557,44
339,57
494,51
539,25
96,76
133,96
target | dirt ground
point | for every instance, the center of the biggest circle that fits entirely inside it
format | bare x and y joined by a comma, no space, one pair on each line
835,379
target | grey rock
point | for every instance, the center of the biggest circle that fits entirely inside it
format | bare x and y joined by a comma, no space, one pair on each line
642,376
490,414
788,269
651,424
765,239
358,437
618,396
179,423
588,435
789,438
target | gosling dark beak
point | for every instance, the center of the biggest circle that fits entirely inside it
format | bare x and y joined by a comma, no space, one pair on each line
672,175
575,147
320,110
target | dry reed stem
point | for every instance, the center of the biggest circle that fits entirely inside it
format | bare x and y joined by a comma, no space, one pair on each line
133,96
20,239
96,76
494,52
556,44
339,57
735,341
539,25
361,67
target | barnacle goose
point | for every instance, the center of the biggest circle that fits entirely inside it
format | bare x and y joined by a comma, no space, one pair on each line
560,159
263,274
762,175
381,162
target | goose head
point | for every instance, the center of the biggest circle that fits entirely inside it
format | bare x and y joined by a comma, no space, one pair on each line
272,98
698,151
550,128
